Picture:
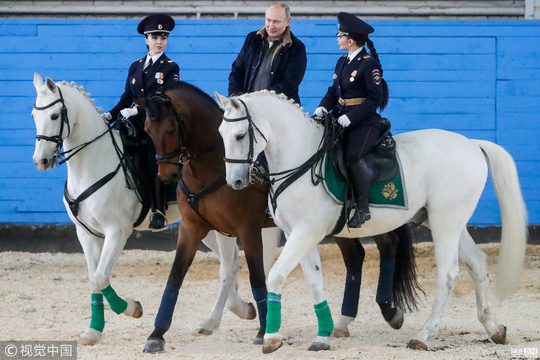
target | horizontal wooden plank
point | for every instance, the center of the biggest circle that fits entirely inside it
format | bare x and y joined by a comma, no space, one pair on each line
518,136
518,119
441,105
510,104
523,87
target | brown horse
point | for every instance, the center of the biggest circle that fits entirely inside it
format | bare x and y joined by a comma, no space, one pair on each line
183,122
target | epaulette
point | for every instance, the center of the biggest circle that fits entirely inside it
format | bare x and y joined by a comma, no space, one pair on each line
170,61
366,56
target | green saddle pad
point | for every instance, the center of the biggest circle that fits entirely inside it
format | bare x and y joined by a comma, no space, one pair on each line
390,194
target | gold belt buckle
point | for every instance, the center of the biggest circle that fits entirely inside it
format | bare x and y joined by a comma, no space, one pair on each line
341,102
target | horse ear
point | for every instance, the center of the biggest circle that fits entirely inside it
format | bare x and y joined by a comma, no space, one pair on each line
142,102
51,85
38,81
222,101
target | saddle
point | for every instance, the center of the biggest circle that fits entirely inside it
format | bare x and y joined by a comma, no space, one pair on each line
382,160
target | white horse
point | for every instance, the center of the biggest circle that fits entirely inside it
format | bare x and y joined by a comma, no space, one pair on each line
445,174
66,117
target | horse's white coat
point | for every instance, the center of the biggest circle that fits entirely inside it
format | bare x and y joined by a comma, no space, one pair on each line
443,171
114,208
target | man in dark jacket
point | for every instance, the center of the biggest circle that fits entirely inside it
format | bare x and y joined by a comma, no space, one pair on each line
271,58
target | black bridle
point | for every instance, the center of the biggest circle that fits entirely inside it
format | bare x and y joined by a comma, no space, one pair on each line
63,119
181,151
251,135
331,134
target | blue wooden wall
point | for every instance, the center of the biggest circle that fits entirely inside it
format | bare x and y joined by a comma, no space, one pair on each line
478,78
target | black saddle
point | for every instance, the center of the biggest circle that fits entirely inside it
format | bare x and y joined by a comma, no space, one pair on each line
381,160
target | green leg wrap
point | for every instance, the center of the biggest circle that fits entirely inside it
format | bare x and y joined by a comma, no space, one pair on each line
98,316
273,316
324,317
118,305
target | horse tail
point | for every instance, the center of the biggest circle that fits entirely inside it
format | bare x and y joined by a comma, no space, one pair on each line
406,286
514,217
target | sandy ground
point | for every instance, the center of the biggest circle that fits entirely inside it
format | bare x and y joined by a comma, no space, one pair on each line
45,297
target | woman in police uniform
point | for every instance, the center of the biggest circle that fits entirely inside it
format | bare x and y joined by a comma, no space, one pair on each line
357,92
145,77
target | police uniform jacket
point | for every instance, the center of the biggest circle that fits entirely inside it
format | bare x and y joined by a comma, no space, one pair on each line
360,78
288,65
143,84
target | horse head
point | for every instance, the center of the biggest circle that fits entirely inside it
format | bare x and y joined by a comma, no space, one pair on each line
168,133
240,140
50,117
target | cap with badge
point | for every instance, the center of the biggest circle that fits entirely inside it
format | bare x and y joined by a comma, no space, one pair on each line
350,25
156,24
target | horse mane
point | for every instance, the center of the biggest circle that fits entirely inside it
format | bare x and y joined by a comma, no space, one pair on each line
283,98
185,86
84,93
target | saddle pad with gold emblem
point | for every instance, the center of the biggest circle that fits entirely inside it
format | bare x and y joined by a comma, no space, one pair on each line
389,194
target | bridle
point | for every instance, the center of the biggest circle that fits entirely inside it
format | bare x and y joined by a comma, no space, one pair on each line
184,157
58,138
251,133
314,163
63,119
181,151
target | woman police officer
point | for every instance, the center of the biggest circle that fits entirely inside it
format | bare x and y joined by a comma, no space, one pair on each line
357,92
145,77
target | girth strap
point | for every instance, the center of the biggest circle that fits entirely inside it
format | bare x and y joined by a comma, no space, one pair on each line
74,203
193,198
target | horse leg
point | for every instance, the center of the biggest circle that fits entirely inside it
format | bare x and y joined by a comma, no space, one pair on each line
253,250
227,251
113,245
185,252
312,268
387,245
92,251
446,243
474,260
270,239
353,254
299,244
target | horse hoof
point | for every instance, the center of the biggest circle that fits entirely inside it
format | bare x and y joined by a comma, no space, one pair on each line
416,345
206,332
90,337
500,335
271,343
259,340
320,343
392,315
138,310
397,321
134,308
154,346
252,313
341,333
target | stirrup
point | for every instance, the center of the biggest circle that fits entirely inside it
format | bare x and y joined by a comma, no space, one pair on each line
358,219
158,221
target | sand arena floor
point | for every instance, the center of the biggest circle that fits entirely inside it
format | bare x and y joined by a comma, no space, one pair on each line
46,297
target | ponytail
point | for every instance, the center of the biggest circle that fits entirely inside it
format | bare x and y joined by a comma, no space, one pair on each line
374,54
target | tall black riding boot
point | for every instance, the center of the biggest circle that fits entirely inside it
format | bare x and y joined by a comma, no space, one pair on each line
158,203
360,177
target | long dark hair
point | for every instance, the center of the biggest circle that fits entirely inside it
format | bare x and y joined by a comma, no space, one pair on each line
361,41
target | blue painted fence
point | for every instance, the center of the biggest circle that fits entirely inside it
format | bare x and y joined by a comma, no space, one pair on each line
478,78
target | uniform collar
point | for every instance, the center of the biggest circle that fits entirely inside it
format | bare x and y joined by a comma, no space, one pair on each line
354,54
155,58
285,40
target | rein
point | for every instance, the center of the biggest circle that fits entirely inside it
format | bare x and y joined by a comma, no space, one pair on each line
74,203
315,163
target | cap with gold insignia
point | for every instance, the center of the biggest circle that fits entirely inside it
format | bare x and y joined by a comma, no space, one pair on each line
350,25
156,24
